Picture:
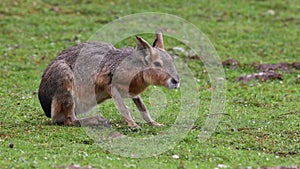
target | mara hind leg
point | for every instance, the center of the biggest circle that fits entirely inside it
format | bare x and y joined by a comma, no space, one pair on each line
56,93
56,115
69,114
60,80
63,111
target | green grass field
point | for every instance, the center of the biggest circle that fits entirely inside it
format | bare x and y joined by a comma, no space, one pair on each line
261,121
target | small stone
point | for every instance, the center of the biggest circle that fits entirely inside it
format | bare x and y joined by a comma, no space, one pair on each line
222,166
298,79
175,156
11,145
271,12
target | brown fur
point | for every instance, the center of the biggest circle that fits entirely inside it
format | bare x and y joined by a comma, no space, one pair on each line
138,84
99,69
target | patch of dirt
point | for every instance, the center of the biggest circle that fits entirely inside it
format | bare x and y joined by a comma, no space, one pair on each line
272,67
231,63
263,76
296,65
266,71
194,57
54,9
280,167
75,166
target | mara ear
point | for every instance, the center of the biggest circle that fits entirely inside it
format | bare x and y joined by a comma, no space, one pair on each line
145,49
159,42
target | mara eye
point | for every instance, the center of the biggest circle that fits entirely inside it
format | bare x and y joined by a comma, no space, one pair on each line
157,64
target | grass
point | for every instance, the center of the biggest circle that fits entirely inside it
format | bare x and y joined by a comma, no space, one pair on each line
261,122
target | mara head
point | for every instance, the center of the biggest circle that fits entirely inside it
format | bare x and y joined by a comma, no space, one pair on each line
158,65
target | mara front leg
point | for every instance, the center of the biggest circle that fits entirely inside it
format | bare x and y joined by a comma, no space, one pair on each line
144,112
116,96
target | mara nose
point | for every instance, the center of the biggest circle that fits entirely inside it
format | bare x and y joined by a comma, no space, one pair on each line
175,82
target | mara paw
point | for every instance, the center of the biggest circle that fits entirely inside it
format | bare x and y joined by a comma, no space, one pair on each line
154,123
